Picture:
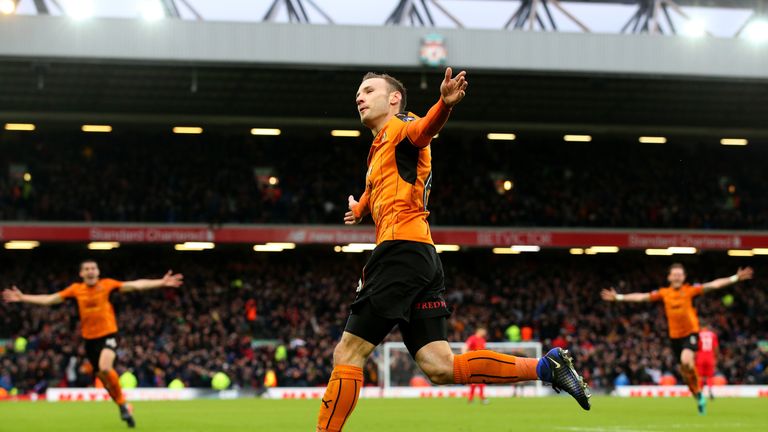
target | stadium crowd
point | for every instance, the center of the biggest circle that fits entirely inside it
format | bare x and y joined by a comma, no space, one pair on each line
246,315
159,178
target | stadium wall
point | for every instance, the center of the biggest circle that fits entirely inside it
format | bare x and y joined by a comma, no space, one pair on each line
190,42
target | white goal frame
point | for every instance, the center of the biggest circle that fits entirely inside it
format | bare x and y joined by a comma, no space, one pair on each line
385,358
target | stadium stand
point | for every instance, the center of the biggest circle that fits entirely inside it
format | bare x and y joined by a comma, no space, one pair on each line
234,313
165,178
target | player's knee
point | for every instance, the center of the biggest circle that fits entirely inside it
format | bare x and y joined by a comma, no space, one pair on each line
686,363
104,366
340,354
347,354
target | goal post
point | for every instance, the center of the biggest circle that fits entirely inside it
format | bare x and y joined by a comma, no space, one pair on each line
400,376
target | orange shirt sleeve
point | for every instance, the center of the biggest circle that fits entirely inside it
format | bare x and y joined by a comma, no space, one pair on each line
421,131
111,284
656,296
696,290
68,292
361,209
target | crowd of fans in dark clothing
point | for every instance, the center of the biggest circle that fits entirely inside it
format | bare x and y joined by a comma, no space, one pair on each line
145,177
246,314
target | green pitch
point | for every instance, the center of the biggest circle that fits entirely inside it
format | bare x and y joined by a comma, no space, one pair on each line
433,415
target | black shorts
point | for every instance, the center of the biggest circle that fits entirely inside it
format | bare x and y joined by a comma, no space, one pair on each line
402,284
690,342
93,348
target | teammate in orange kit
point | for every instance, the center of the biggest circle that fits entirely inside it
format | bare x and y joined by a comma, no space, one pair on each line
682,319
97,319
476,342
706,357
402,283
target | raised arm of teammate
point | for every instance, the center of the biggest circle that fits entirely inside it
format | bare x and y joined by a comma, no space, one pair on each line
170,280
14,295
452,91
357,209
611,296
742,274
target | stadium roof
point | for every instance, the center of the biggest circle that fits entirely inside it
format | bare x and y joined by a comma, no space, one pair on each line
256,95
597,15
746,4
114,70
306,46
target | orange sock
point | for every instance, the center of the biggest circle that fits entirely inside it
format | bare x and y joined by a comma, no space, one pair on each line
489,367
340,398
692,379
112,383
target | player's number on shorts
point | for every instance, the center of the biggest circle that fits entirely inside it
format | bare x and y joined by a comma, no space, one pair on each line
111,343
693,340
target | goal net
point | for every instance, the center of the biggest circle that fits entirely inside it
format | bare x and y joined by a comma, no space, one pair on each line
399,376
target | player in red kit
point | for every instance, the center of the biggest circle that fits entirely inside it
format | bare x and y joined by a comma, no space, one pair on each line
706,356
476,342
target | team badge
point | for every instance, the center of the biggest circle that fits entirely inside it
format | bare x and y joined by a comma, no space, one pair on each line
433,52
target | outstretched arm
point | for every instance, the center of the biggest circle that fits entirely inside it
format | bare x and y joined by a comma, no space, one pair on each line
452,91
14,295
742,274
170,280
612,296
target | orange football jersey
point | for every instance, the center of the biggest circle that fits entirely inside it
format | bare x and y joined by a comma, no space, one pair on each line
399,177
678,306
97,316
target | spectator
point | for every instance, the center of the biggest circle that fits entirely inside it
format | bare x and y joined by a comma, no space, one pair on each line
141,178
301,296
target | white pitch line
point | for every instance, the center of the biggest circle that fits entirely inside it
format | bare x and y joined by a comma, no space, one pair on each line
647,428
608,429
690,426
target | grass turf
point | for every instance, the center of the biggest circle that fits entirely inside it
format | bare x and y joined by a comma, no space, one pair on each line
376,415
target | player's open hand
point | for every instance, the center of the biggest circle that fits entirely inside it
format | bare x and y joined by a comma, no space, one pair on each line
745,273
608,294
173,280
349,217
453,89
12,295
